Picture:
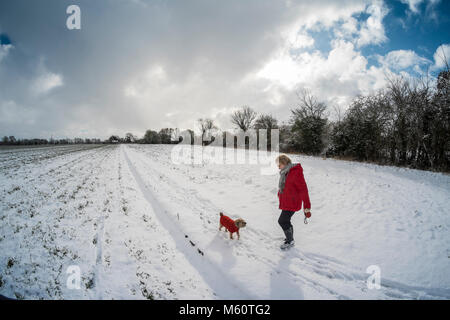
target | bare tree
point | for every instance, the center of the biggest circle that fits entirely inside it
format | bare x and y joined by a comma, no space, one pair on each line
308,105
338,113
206,127
308,124
266,121
244,118
130,138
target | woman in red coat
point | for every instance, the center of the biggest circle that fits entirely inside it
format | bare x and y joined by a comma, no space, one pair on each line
292,193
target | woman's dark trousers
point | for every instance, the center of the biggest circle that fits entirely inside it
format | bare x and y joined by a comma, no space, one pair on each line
285,222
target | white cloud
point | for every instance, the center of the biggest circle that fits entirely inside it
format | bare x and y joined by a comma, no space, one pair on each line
46,82
4,49
153,80
14,114
302,41
441,56
343,73
348,29
372,30
340,20
413,4
414,7
320,15
402,59
337,78
284,69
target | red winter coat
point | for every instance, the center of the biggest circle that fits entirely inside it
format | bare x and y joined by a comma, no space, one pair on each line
228,223
295,191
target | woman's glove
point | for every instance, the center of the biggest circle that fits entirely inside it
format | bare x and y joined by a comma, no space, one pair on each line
307,213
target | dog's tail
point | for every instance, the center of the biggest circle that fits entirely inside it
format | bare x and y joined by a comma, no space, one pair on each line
221,214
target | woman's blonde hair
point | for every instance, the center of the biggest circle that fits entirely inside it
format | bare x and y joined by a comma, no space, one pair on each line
283,159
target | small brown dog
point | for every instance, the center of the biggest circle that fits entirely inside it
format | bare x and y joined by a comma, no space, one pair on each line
231,225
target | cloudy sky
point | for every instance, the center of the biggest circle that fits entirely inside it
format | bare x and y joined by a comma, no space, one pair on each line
141,64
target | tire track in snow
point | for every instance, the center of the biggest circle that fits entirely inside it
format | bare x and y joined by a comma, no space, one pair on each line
221,284
99,255
100,232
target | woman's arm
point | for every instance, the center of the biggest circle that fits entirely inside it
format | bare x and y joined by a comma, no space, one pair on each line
300,183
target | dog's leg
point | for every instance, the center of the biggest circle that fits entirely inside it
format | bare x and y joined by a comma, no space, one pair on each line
239,236
220,226
231,235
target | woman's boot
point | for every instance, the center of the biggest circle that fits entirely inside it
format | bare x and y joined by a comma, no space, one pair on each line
289,241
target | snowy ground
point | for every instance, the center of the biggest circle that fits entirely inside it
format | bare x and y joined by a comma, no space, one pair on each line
141,226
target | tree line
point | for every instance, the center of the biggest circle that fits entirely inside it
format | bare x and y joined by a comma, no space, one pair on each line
405,124
12,141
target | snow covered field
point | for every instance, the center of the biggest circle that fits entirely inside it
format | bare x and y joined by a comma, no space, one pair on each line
140,226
